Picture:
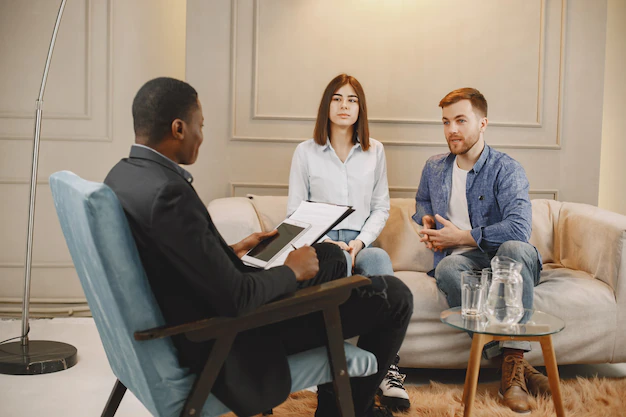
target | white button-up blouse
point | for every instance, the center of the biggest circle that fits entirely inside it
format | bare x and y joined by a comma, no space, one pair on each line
317,174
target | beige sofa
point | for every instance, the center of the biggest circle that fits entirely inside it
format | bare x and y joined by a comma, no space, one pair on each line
583,279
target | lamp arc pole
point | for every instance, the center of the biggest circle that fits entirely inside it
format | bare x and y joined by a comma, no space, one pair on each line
39,356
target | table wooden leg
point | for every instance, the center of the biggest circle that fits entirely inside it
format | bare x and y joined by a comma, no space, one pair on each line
473,367
553,373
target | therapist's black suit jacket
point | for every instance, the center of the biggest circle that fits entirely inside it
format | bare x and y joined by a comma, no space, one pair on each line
194,274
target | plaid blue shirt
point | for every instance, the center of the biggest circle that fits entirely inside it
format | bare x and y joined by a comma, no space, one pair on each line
497,198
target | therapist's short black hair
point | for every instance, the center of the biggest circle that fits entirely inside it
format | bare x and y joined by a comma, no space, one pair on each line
158,103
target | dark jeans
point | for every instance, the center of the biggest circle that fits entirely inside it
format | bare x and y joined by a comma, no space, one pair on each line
380,317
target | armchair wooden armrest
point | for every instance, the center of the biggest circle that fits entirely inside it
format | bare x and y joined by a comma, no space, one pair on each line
297,304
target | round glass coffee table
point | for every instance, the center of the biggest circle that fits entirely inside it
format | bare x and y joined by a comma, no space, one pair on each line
535,326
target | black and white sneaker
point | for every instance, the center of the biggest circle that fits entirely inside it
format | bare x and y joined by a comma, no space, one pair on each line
391,389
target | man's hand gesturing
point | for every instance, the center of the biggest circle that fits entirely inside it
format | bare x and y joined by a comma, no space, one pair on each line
303,262
429,223
447,237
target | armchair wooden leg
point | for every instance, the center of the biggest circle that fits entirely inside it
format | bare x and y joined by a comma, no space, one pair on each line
338,365
114,399
203,384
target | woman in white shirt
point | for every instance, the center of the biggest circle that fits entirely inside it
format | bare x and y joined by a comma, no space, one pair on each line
343,165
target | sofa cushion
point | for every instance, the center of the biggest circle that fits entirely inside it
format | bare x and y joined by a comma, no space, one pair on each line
429,343
400,238
545,220
589,309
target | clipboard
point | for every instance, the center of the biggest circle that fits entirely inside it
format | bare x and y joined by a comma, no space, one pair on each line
321,218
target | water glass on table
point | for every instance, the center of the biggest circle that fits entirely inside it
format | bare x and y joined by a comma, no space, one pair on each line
473,294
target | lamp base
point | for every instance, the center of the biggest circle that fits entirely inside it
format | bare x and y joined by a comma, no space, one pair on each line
38,357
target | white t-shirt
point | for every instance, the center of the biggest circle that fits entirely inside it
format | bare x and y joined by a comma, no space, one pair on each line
458,213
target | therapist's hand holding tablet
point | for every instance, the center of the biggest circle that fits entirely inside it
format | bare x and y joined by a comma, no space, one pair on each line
271,251
251,241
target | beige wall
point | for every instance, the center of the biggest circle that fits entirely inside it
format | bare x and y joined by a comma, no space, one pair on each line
105,50
612,167
262,66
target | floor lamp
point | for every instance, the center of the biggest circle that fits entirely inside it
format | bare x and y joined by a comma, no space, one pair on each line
26,357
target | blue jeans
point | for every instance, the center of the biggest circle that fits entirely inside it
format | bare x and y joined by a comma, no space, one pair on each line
369,261
448,275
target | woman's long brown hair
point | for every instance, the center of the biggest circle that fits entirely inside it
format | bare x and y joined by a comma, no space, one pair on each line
322,125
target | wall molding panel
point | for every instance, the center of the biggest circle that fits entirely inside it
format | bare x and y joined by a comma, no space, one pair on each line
22,181
241,189
94,122
86,113
256,115
47,265
78,108
257,74
87,123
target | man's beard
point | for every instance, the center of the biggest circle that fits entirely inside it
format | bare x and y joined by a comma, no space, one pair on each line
467,144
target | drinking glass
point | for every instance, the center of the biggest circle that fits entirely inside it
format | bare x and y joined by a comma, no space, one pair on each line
473,293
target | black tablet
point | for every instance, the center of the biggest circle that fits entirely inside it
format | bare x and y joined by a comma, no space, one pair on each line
263,254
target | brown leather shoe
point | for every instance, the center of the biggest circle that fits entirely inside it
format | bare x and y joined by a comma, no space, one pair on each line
513,385
536,382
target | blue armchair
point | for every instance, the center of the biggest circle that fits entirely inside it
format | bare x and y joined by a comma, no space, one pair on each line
133,332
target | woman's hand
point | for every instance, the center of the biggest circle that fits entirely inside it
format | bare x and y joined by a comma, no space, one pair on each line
342,245
355,247
251,241
449,236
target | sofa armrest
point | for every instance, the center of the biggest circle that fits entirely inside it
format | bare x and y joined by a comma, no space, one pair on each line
593,240
234,217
